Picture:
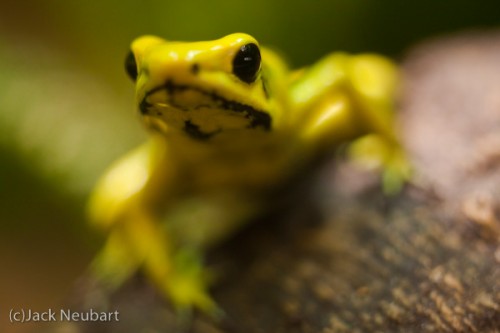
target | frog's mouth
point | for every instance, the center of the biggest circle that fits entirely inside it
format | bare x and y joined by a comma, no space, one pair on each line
187,104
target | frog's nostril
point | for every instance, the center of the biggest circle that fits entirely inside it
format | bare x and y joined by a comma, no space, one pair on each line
195,68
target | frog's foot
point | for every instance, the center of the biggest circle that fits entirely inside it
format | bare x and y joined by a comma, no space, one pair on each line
396,172
189,292
374,151
186,285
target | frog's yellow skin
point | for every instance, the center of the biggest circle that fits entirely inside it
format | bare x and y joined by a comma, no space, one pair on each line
224,133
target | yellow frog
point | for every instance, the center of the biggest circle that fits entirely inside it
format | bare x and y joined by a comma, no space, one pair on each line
229,122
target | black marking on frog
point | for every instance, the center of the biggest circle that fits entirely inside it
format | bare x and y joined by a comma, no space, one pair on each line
144,106
257,117
195,132
264,88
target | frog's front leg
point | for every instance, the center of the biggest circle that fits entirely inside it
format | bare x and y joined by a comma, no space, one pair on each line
350,98
133,242
177,273
140,242
121,203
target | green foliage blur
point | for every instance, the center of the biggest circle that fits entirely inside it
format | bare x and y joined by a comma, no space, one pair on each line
66,106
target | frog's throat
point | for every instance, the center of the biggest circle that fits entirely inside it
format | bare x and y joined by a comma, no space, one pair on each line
257,118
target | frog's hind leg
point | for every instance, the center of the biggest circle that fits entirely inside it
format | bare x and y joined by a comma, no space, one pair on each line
343,98
373,82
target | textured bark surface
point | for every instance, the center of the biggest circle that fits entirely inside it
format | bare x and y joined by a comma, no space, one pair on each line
425,261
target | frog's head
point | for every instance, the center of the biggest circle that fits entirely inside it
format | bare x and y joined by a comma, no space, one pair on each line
200,88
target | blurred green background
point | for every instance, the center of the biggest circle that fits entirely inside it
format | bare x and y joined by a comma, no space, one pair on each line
66,106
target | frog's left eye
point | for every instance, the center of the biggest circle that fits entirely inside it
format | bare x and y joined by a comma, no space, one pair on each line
246,63
131,66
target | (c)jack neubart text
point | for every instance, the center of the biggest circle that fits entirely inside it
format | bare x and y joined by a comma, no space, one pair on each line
50,315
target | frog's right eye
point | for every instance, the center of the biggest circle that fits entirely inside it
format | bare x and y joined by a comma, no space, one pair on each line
246,63
131,66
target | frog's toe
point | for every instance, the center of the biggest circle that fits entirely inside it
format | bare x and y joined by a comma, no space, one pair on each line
375,151
187,285
397,172
188,293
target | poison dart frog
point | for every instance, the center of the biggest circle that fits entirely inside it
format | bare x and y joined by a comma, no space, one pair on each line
229,121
